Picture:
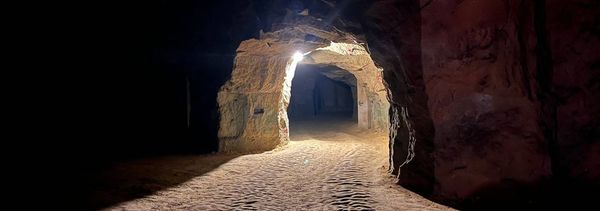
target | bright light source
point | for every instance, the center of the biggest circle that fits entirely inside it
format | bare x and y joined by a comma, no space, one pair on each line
298,56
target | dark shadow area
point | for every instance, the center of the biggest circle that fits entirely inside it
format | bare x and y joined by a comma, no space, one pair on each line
144,85
552,195
134,179
155,70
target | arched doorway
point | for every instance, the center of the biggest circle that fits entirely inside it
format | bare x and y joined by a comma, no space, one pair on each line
253,104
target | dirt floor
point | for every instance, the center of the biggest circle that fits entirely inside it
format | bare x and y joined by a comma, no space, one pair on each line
327,166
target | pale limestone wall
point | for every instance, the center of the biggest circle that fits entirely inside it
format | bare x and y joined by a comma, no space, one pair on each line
251,103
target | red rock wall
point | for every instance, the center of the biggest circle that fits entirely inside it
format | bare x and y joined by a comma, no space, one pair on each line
510,88
478,58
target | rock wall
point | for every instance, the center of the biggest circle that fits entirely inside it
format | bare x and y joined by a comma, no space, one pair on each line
478,63
489,98
392,29
251,103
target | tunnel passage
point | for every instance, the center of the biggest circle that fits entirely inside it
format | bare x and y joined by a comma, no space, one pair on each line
253,104
322,93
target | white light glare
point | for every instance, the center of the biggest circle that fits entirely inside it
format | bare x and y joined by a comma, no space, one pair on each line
298,56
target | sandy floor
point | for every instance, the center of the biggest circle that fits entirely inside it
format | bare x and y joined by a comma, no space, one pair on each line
323,168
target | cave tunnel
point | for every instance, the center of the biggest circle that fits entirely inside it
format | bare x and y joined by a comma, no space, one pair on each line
395,105
322,94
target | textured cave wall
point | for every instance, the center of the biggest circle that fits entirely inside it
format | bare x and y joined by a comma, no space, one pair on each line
392,29
497,98
574,39
253,111
478,64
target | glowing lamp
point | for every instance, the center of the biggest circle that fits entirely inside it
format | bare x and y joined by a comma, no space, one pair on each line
298,56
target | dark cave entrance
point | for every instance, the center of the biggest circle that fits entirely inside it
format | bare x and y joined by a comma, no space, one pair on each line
322,94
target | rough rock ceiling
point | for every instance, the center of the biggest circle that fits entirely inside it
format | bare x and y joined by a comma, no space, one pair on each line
336,74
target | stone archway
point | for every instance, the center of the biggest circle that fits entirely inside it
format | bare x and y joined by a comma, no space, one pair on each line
253,103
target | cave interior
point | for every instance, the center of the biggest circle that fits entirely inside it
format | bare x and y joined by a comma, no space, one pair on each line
475,105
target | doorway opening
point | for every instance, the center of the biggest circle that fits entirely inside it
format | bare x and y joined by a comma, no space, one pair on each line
319,93
322,94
